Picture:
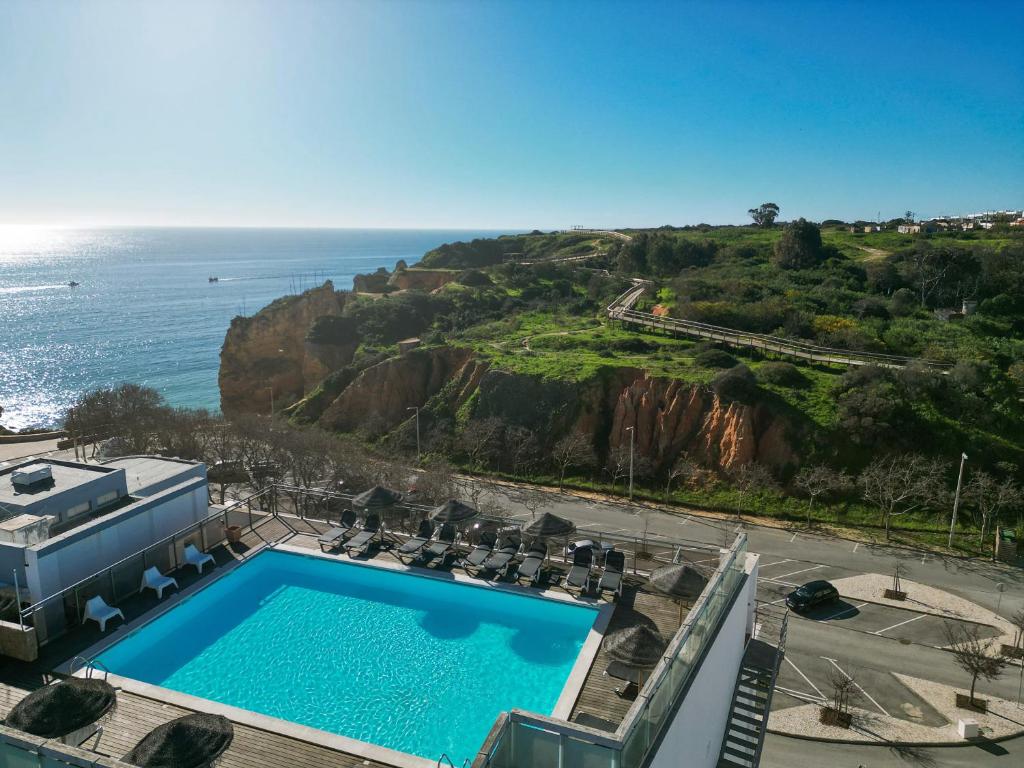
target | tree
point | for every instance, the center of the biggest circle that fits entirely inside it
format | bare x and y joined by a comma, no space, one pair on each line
618,463
989,496
765,214
844,689
973,654
900,484
819,480
522,448
682,469
736,383
481,440
752,477
799,247
1017,620
574,451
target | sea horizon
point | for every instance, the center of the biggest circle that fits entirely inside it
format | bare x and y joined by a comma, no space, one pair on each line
144,310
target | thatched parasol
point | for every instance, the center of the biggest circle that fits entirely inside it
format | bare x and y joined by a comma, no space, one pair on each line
62,708
638,646
453,511
193,741
548,526
376,499
680,582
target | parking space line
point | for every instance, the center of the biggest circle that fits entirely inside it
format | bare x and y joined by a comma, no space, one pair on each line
845,610
777,562
792,539
773,602
805,677
800,694
900,624
776,581
868,695
855,546
794,573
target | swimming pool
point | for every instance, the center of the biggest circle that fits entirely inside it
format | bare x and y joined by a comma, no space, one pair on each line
416,664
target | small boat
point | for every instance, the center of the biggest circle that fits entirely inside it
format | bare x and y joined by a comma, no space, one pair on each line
214,279
73,284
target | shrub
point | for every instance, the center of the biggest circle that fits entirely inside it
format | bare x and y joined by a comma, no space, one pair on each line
474,278
715,358
737,383
781,374
799,247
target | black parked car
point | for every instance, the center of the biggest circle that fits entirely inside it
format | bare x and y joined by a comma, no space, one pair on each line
811,594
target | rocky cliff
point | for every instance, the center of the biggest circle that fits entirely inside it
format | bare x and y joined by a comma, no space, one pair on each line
303,347
269,351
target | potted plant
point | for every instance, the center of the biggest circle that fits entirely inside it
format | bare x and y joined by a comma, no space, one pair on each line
233,533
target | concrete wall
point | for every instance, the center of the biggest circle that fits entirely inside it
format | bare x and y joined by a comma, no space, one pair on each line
697,729
12,558
60,562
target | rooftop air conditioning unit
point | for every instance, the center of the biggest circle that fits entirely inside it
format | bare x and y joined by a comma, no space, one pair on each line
32,475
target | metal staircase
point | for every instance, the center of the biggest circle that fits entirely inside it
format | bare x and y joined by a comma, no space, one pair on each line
752,696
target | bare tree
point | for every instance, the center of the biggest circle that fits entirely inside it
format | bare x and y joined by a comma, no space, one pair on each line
752,477
819,480
574,451
531,498
617,465
436,482
523,449
1017,620
481,440
989,496
845,690
682,469
973,654
900,484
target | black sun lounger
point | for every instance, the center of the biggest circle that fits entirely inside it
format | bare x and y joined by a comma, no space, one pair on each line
442,545
335,536
500,560
630,676
362,540
611,579
532,564
479,553
582,566
414,544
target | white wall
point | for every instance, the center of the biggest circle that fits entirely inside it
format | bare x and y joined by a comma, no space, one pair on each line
64,560
694,737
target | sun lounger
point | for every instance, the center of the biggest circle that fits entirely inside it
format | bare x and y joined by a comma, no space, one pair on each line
336,535
194,557
500,560
96,609
582,568
479,553
532,564
442,545
611,578
414,544
631,676
153,579
371,529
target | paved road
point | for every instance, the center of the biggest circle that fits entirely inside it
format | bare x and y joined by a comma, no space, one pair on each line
786,752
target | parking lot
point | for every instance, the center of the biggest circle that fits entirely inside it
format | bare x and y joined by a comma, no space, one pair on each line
862,640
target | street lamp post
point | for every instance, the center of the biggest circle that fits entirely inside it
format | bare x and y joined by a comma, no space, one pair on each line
956,499
271,391
632,436
417,410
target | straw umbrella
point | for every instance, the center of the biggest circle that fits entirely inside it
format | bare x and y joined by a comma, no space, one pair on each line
378,499
62,708
453,511
638,646
680,582
549,526
193,741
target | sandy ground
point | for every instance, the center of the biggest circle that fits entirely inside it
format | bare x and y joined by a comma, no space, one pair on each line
1003,719
920,597
11,451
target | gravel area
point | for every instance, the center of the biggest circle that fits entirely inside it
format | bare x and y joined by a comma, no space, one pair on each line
924,599
1003,719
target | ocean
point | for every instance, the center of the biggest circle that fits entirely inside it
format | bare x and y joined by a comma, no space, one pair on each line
145,311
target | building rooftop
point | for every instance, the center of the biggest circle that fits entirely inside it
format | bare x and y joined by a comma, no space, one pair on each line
66,475
145,474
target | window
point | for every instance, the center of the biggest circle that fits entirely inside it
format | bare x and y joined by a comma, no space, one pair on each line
106,498
78,509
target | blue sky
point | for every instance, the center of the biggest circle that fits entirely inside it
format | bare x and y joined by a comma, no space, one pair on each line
505,114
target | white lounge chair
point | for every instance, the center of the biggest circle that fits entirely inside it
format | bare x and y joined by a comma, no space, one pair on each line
153,579
96,608
194,557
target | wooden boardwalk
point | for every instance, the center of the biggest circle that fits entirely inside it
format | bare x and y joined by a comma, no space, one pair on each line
136,715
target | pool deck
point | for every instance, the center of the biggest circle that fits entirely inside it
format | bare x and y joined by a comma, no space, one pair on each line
597,705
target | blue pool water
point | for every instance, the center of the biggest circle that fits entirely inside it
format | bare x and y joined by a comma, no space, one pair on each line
412,663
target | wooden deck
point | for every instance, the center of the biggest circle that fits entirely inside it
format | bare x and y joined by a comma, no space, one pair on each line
135,715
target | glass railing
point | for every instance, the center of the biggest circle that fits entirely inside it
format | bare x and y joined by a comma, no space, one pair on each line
525,739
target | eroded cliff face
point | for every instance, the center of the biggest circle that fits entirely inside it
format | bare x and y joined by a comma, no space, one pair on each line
670,417
269,350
